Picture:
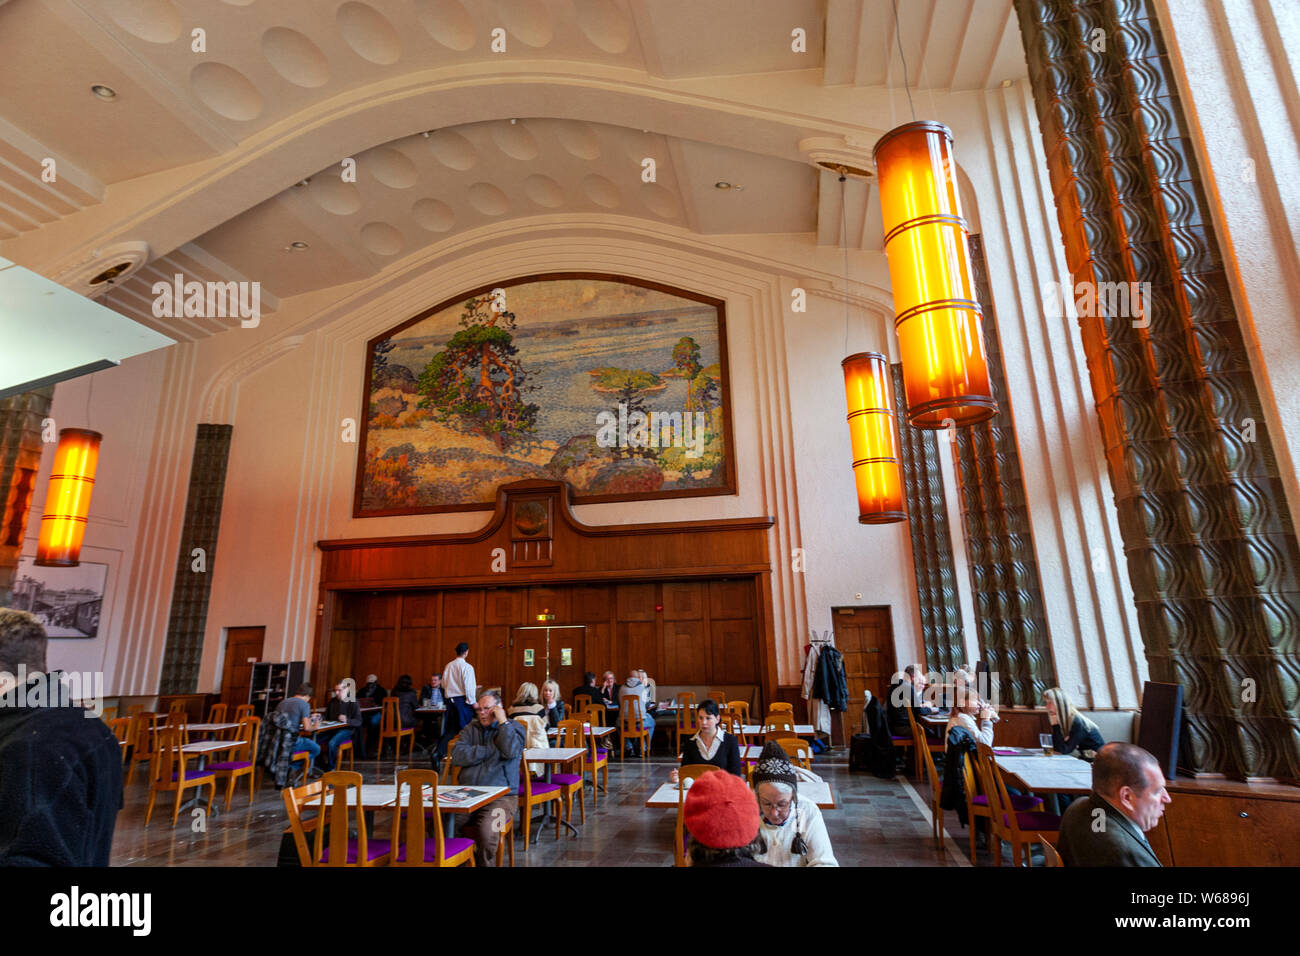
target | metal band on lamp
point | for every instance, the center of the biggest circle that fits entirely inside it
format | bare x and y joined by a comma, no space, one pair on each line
876,469
937,316
67,501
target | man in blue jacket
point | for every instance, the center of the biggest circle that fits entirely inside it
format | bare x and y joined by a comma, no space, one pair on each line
488,752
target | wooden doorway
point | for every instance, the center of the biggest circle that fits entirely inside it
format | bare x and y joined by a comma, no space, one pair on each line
533,655
243,649
865,636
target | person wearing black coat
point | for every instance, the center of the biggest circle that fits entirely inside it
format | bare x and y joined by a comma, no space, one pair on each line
725,751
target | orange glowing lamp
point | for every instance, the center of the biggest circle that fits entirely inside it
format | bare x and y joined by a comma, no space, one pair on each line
871,431
937,315
67,502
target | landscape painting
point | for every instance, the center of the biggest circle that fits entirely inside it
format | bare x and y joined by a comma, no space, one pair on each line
616,386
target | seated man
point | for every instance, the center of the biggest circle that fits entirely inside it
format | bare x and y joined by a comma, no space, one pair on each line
1128,798
488,752
589,688
297,710
372,693
431,695
342,706
902,695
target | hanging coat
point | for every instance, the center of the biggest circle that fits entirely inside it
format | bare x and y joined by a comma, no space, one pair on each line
831,685
882,745
279,737
953,794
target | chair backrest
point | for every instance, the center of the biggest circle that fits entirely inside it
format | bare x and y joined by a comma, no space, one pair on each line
249,730
581,702
342,816
134,710
734,724
1004,817
692,771
296,800
570,733
720,697
685,700
121,727
686,722
109,714
217,713
390,721
923,754
797,750
167,757
741,707
780,706
777,726
412,828
177,707
595,715
243,710
1050,856
970,782
145,723
629,715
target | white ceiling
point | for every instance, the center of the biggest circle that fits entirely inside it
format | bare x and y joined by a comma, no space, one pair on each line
199,152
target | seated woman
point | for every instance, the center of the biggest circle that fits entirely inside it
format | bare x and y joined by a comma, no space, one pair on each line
1071,730
407,700
792,829
711,744
552,704
527,706
971,714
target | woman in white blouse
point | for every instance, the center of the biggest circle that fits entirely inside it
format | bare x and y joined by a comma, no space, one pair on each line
792,829
971,714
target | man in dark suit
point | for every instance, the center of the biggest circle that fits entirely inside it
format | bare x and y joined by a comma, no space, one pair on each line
904,694
1128,798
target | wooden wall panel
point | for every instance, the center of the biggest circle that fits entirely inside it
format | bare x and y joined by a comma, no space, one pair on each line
683,600
685,657
590,604
462,608
374,655
488,656
417,654
449,637
421,608
558,600
638,646
599,654
731,600
340,661
735,655
504,606
636,602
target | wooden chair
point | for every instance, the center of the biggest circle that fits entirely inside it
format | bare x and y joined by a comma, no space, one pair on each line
597,763
720,697
411,843
304,758
142,750
110,714
168,773
242,711
777,726
692,771
178,707
345,750
122,727
920,741
570,734
507,843
232,769
450,773
179,720
684,725
1020,828
781,706
799,751
581,702
595,715
217,713
390,728
631,726
342,817
685,700
296,800
734,724
936,811
741,707
977,801
1050,856
533,793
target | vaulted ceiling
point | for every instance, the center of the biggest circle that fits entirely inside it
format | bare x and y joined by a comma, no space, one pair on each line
213,163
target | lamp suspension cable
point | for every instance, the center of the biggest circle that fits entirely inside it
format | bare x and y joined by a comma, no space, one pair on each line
844,241
898,35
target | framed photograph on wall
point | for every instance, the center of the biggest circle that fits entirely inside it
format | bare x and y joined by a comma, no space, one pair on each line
616,385
67,601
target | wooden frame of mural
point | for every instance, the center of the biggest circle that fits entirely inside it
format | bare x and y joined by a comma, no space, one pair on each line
446,426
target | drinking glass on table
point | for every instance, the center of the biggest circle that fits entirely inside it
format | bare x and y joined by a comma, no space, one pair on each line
1045,741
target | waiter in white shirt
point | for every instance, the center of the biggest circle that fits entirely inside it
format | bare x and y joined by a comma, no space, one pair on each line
460,688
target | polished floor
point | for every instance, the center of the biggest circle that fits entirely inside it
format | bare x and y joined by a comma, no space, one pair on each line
876,823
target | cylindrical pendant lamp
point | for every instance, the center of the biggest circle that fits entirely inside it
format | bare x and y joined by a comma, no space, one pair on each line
871,430
937,316
67,502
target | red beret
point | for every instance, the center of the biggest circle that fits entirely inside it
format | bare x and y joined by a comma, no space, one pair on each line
721,811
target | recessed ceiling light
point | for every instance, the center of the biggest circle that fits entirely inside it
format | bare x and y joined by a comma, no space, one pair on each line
104,92
303,182
720,184
295,246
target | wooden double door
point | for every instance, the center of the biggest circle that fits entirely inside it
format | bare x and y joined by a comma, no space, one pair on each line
538,652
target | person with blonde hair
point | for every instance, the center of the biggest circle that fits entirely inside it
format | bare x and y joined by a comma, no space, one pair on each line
532,714
552,703
1071,730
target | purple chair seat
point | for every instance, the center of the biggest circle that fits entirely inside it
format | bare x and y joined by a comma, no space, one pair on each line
192,775
230,765
450,847
601,754
374,850
902,740
1036,821
1018,802
538,789
564,779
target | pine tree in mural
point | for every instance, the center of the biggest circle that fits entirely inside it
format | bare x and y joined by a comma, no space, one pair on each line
476,381
686,356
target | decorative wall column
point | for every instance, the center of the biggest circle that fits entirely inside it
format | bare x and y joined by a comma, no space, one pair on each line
927,522
20,460
189,611
1209,538
999,543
